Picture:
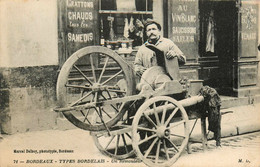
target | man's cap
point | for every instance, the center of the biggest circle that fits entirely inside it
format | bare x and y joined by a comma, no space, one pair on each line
150,21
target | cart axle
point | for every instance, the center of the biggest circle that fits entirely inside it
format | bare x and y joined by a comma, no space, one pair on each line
162,132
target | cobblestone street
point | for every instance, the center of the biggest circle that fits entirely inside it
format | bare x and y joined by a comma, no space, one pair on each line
79,150
242,150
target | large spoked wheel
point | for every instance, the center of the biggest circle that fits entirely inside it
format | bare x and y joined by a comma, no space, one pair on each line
117,144
90,77
160,131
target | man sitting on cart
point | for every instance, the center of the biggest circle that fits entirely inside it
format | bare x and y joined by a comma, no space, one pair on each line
147,57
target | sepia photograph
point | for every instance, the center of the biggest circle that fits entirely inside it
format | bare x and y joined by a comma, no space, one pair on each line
129,83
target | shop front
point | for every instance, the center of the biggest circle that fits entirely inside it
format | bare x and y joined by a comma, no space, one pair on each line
219,38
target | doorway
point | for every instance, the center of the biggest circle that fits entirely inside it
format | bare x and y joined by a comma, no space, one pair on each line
218,43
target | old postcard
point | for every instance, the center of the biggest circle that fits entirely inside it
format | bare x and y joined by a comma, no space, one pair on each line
129,83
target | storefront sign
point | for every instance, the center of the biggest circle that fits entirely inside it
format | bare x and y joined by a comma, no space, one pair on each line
81,24
249,29
183,25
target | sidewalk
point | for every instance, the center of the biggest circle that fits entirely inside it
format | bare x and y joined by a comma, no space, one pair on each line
244,119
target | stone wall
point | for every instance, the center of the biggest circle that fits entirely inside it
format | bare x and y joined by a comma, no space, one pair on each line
27,98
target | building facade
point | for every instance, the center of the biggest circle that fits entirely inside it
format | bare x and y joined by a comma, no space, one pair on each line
218,37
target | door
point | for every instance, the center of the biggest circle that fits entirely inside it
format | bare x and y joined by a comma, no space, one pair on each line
218,42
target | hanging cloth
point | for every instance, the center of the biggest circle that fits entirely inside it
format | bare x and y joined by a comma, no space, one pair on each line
139,27
131,24
210,45
126,34
111,30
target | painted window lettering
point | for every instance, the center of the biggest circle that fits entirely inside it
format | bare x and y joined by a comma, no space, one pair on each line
80,37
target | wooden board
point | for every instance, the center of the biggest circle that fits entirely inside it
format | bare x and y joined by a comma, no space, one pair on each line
77,25
249,29
183,24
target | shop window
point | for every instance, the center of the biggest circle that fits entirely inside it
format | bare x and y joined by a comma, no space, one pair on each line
122,23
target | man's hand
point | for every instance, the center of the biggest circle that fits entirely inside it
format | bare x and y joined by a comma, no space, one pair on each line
171,54
141,70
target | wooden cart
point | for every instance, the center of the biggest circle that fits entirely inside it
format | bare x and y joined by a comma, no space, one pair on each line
96,91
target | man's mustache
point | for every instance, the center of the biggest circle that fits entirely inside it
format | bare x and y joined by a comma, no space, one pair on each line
152,35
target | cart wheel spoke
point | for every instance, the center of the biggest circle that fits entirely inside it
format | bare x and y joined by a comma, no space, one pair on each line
157,151
176,124
86,117
180,136
82,113
128,136
173,145
156,114
164,112
147,139
125,145
96,97
101,117
109,142
76,102
93,68
146,129
82,74
109,79
103,69
76,86
166,150
116,109
87,121
117,144
171,116
106,113
117,91
150,147
110,97
149,119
